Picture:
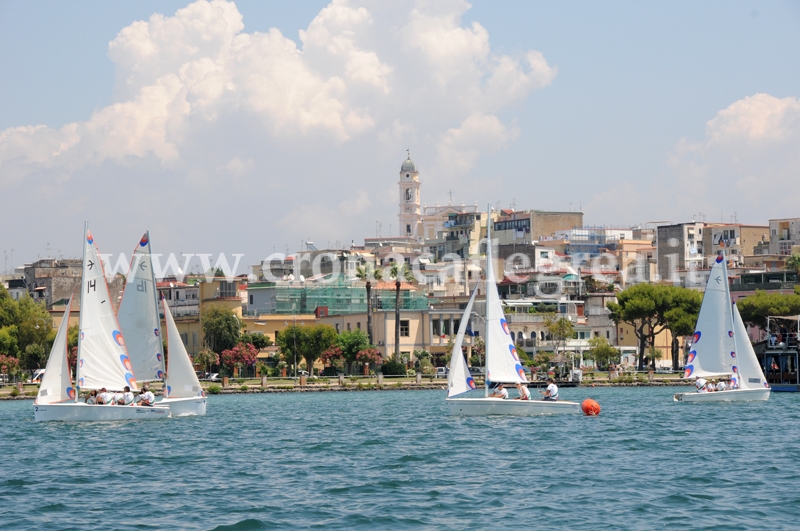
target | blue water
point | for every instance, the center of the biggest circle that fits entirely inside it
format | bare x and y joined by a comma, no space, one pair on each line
396,460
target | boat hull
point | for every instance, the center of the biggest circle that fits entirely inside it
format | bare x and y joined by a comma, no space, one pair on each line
733,395
479,407
185,407
81,412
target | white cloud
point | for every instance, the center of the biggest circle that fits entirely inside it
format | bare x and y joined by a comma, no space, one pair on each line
307,138
748,162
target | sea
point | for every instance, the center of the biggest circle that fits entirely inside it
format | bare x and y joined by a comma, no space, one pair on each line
397,460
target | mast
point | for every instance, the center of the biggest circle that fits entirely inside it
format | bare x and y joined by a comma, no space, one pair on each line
489,270
80,317
155,302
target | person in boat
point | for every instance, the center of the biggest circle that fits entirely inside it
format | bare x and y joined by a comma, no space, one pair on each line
91,398
524,394
711,386
146,397
700,383
721,386
125,398
499,392
104,397
551,391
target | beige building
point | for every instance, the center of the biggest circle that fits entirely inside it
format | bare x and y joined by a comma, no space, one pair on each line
526,226
736,240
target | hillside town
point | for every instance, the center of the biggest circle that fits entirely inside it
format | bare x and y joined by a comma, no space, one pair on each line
552,263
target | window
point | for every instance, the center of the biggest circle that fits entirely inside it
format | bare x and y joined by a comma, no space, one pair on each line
194,338
348,327
251,299
185,339
408,229
404,328
608,334
227,289
337,328
358,325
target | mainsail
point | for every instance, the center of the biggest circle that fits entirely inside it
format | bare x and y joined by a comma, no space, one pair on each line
181,379
57,381
748,372
502,360
102,358
713,345
459,380
138,316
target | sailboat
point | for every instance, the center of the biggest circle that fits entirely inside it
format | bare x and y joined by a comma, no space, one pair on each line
721,347
102,357
183,393
138,316
502,361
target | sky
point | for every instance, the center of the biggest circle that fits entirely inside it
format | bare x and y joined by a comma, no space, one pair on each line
250,127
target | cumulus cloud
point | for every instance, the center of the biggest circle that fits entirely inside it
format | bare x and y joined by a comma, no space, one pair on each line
748,162
307,137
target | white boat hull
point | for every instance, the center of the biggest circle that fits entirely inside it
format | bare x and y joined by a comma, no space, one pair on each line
185,407
479,407
732,395
81,412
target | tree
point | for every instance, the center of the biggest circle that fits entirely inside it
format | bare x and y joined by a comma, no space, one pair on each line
290,340
9,365
602,353
398,273
559,328
756,308
333,357
351,342
367,356
793,263
33,357
644,307
367,273
260,341
318,339
682,317
221,328
206,359
239,356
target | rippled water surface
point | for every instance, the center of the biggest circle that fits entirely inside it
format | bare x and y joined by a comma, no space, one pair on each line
396,460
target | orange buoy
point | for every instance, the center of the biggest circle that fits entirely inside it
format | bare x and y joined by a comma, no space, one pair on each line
590,407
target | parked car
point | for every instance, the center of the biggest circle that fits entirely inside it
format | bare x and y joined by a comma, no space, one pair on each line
476,370
441,372
213,377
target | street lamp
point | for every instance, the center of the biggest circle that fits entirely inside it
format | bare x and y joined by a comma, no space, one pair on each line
37,322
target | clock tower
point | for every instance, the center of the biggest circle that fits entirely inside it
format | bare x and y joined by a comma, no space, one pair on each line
410,214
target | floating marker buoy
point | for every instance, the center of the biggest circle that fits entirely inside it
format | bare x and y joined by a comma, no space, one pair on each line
590,407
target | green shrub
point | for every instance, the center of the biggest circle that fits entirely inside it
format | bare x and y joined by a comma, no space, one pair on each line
244,388
15,392
214,389
393,368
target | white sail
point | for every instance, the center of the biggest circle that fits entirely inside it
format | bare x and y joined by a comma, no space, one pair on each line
102,358
713,343
138,316
57,381
181,381
748,371
459,380
502,360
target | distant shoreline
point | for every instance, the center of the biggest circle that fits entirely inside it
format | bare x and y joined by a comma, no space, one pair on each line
385,387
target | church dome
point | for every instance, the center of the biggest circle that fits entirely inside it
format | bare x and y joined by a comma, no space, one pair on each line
408,165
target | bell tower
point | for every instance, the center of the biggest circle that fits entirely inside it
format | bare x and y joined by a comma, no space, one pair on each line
410,214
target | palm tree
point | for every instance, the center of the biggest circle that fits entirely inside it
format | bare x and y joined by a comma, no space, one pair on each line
793,263
367,273
398,273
